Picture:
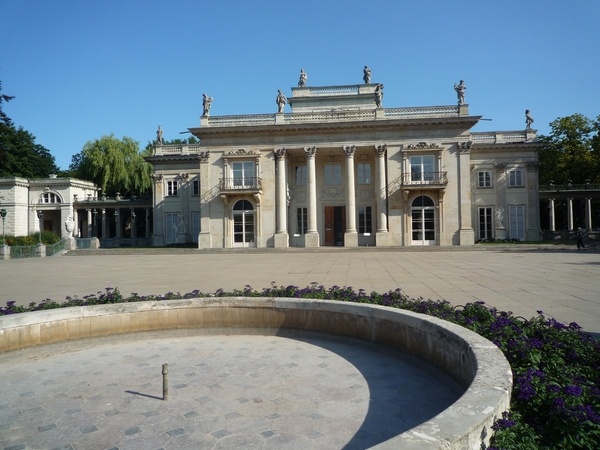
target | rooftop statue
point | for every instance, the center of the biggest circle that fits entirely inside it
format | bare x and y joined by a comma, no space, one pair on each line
379,95
528,119
281,101
460,92
159,135
367,75
303,78
206,104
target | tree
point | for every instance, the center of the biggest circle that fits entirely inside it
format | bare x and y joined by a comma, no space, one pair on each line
20,156
572,151
114,165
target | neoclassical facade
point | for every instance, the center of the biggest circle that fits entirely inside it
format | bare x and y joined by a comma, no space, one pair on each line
341,170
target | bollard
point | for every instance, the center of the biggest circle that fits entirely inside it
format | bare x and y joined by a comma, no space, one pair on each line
165,373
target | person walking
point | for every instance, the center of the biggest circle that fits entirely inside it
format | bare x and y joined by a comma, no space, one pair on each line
580,239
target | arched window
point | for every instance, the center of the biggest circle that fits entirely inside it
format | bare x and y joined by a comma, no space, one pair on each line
243,224
49,197
423,221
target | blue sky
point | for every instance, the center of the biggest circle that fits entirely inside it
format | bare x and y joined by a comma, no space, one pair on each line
82,69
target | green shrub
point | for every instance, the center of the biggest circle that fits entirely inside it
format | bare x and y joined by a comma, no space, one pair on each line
48,238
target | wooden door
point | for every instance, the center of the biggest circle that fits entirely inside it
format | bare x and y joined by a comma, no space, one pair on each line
329,230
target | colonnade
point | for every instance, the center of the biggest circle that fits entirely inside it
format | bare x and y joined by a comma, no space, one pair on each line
96,216
588,213
312,233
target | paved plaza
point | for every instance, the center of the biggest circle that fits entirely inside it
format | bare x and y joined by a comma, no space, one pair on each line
258,392
564,283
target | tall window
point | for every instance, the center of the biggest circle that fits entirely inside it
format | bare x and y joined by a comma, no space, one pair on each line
485,222
515,178
172,186
243,173
196,186
485,179
363,173
422,168
172,227
302,220
49,197
332,174
301,175
517,222
365,223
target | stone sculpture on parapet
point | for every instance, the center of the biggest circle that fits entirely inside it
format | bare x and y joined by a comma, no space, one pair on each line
379,95
367,75
159,136
281,101
206,104
460,92
528,119
303,78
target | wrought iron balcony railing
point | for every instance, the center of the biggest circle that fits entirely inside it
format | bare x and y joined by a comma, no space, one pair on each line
240,184
433,179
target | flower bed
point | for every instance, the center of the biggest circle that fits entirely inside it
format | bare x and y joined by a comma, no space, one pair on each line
555,399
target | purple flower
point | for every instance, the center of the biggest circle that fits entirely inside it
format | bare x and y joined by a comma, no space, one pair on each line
10,303
575,391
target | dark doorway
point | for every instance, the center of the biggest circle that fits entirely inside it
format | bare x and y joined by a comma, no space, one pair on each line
335,225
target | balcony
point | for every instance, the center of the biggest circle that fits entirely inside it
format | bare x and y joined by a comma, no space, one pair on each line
435,180
240,185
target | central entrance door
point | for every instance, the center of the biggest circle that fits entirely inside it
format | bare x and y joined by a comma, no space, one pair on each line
335,225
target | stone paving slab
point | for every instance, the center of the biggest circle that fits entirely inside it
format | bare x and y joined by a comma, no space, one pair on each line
559,280
304,391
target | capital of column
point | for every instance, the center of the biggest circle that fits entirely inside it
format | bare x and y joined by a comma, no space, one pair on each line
311,152
380,150
280,153
349,150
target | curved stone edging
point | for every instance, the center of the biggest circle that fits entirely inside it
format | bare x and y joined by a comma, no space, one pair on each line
474,362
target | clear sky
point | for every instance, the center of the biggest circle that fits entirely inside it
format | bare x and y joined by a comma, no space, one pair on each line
83,69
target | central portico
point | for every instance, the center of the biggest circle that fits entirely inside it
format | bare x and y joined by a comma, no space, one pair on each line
338,170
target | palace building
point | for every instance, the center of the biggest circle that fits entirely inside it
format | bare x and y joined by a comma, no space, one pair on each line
342,170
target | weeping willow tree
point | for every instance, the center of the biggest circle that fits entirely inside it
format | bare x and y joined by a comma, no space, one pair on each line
115,165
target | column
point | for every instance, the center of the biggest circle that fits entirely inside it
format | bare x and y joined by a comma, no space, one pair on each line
118,223
311,238
281,236
133,224
570,214
89,223
350,235
380,151
105,233
552,216
588,214
75,223
467,235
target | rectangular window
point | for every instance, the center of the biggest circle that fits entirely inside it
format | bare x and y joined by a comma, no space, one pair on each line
302,220
243,174
485,222
365,224
363,174
485,179
172,227
196,187
515,178
172,188
422,168
517,222
301,176
195,226
332,174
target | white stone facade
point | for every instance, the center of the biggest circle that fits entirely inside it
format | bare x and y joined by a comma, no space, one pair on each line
54,197
340,171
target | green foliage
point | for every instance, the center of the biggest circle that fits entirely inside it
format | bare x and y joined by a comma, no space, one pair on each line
20,156
48,238
572,151
115,165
